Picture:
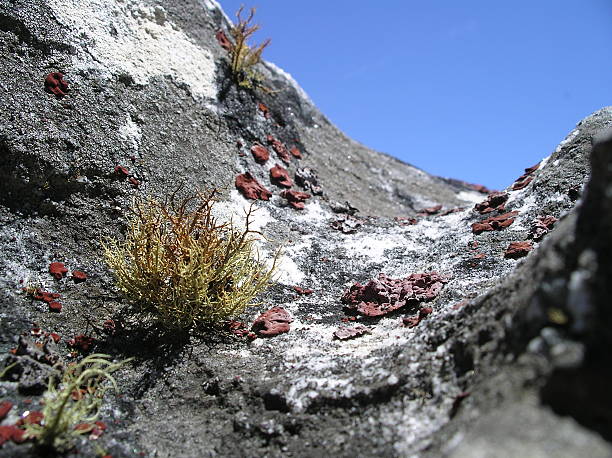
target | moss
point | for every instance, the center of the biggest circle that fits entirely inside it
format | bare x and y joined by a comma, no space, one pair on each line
243,57
185,268
63,411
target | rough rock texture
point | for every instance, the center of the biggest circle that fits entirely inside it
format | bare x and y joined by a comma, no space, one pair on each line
150,108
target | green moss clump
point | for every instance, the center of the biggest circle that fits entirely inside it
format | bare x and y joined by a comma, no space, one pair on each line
243,57
183,267
75,401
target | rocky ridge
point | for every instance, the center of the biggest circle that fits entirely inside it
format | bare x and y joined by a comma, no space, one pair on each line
150,108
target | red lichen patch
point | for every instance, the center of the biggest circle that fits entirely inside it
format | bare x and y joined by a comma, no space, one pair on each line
295,198
542,226
494,223
412,321
405,221
431,210
295,152
98,430
347,224
260,153
134,182
58,270
525,178
479,188
55,306
264,110
280,177
78,276
457,403
271,323
5,408
384,295
346,332
56,337
44,296
452,210
109,327
495,201
521,184
250,188
281,150
460,304
518,249
11,432
55,84
239,328
303,291
223,40
81,342
33,418
120,170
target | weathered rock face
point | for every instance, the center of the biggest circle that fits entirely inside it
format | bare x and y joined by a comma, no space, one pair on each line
151,108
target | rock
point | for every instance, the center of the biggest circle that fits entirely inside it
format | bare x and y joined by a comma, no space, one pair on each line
504,332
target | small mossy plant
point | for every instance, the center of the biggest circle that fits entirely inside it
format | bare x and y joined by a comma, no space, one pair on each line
71,407
244,57
179,264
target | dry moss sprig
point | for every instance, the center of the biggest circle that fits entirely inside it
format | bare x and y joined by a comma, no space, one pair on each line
180,265
243,57
62,411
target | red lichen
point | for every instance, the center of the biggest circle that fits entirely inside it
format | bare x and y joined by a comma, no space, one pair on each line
58,270
55,84
384,295
120,170
264,110
295,198
98,430
280,148
413,321
56,337
452,210
250,188
518,249
525,178
542,226
109,327
280,177
5,408
347,224
35,417
134,182
81,342
346,332
11,432
460,304
405,221
260,153
223,40
303,291
295,152
78,276
495,201
55,306
431,210
494,223
45,296
271,323
521,184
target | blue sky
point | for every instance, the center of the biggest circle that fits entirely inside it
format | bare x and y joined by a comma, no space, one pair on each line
475,90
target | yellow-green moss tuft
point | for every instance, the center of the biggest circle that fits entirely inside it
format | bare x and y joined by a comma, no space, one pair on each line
180,265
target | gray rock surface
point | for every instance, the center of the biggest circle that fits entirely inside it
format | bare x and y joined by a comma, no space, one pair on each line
149,90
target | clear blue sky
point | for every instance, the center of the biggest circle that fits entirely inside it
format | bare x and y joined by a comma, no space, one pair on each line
473,89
